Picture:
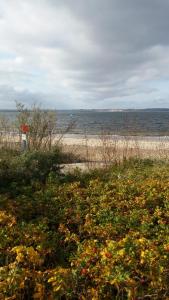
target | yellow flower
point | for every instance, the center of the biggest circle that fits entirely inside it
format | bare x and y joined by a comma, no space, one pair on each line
141,240
121,252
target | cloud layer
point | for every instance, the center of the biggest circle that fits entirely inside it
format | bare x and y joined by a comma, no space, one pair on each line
84,54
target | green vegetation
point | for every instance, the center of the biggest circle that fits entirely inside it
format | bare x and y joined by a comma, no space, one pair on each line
99,235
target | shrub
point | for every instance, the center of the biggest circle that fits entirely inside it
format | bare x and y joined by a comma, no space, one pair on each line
41,124
95,237
29,167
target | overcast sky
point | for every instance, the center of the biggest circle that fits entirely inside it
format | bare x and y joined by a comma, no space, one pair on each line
84,53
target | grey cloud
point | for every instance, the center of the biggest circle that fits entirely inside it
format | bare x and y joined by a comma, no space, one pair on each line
86,52
132,22
9,96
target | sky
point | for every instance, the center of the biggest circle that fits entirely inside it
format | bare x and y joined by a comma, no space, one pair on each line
71,54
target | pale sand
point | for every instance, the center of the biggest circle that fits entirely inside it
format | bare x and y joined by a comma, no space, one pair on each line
107,148
94,147
142,142
100,152
145,143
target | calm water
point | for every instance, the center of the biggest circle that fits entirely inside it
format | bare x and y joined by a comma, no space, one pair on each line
146,123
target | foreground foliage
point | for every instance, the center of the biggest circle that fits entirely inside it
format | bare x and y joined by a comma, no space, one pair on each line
103,235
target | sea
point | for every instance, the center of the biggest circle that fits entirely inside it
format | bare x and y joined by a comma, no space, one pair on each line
148,122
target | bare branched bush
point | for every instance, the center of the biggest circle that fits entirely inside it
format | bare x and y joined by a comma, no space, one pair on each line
69,127
41,124
108,148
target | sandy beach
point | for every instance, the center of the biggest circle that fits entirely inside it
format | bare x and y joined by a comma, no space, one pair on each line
104,147
109,148
143,142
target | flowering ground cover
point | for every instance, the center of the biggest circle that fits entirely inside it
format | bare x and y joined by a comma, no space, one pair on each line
101,235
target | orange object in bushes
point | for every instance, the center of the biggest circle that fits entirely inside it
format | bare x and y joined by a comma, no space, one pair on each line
24,128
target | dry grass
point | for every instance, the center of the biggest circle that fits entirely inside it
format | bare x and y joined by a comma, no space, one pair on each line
10,140
109,151
103,150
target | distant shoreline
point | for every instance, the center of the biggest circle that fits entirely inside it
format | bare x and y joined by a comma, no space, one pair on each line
96,109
